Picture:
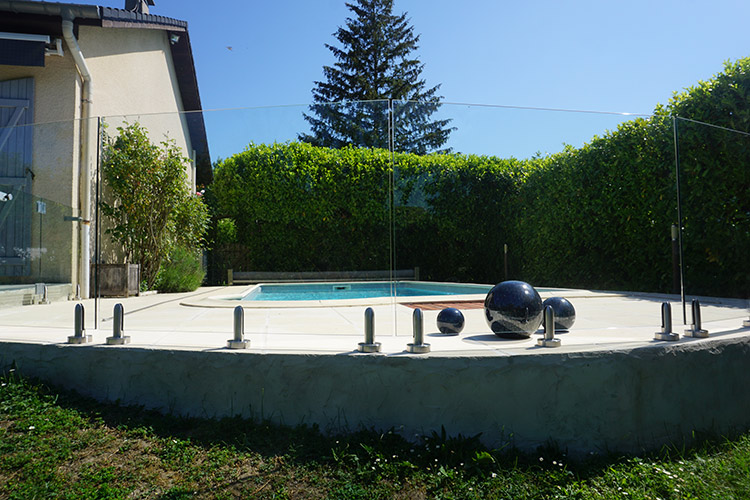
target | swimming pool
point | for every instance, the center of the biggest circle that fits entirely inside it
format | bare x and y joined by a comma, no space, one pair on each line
358,290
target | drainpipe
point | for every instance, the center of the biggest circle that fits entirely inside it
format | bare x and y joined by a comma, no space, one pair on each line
84,166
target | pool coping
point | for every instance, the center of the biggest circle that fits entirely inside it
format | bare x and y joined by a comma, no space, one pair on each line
223,300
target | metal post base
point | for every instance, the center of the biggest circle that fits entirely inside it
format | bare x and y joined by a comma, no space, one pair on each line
85,339
238,344
418,348
362,347
698,334
548,342
118,340
671,337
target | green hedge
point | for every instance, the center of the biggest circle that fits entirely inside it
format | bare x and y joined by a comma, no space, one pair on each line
715,165
598,216
298,207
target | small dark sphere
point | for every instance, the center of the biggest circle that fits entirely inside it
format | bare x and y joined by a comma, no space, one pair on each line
450,321
513,309
565,313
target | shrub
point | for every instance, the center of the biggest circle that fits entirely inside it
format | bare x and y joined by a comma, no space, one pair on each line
181,271
148,200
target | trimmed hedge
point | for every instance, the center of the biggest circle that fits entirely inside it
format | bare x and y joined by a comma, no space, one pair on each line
598,216
298,207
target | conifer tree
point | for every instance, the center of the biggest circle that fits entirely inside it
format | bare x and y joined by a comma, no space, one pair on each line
373,95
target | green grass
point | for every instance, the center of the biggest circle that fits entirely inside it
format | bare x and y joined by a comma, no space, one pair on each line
55,444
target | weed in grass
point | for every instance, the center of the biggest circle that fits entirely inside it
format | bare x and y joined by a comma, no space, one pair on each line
177,451
178,493
350,492
99,483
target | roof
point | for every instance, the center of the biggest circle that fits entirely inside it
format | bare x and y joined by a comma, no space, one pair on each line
118,18
46,18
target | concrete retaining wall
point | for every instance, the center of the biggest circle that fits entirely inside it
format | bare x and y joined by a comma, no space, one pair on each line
625,400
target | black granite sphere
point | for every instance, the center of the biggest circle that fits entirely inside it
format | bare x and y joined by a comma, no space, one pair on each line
513,309
450,321
565,313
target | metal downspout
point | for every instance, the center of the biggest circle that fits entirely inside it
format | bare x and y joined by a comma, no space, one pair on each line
84,165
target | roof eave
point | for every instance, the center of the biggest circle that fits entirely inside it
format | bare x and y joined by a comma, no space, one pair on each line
187,81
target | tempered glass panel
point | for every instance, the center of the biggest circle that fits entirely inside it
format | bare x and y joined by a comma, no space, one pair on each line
715,182
36,236
561,200
39,235
514,131
286,211
571,216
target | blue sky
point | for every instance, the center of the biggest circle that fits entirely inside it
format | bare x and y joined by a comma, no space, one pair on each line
596,55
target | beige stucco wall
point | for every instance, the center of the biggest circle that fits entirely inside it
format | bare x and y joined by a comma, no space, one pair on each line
134,80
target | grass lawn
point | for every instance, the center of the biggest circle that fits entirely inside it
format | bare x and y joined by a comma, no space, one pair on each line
55,444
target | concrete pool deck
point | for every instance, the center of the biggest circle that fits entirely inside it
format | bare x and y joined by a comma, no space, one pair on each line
610,386
604,320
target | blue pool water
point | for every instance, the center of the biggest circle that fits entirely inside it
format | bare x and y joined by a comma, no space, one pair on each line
344,291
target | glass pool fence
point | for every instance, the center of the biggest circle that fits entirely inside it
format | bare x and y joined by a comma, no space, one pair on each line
410,193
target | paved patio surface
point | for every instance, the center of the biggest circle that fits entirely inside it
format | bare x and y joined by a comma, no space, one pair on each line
604,321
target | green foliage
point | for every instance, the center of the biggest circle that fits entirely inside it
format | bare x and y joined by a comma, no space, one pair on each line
463,204
181,271
298,207
715,179
605,210
147,199
226,231
374,65
191,220
318,209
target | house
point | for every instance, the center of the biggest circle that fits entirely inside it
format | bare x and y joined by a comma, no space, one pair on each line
65,71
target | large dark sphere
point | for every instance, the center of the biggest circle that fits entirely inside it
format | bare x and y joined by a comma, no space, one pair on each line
513,309
450,321
565,313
